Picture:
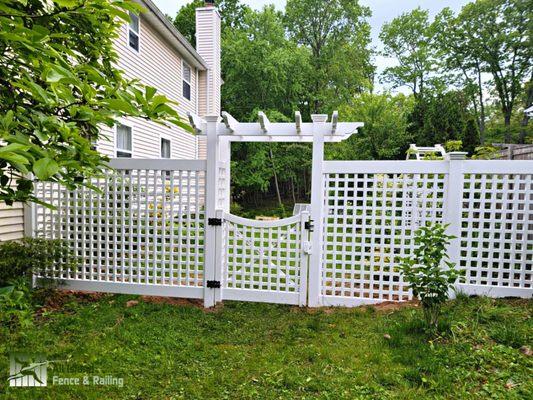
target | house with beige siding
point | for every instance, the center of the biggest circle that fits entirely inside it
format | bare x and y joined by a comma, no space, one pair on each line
152,50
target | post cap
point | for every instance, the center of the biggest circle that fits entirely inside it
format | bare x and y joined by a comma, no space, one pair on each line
457,155
319,117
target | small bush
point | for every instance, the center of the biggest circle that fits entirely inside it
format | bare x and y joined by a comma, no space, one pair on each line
16,308
428,272
22,258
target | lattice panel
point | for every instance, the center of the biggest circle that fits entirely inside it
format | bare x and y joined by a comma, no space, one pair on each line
223,185
497,230
262,258
369,225
144,227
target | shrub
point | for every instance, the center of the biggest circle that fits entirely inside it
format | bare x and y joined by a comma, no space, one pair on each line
22,258
16,307
429,273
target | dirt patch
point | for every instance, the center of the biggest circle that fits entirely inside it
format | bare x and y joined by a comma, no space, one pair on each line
393,306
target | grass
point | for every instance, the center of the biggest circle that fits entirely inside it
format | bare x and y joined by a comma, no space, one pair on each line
250,351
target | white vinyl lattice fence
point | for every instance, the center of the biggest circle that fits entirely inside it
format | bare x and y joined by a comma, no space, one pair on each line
157,227
371,210
141,231
497,228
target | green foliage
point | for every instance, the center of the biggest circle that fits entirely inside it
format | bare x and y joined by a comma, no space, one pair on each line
15,305
428,272
408,39
453,145
19,259
443,117
262,69
337,34
485,153
384,136
58,86
500,31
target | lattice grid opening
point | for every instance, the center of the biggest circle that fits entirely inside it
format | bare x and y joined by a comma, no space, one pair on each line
497,230
144,227
369,222
263,258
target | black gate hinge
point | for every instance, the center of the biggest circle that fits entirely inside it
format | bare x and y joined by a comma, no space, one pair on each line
214,221
213,284
309,225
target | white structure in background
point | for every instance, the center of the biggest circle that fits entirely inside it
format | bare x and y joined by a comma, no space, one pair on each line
152,50
529,112
419,153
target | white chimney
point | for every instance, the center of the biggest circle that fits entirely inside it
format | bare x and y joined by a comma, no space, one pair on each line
208,46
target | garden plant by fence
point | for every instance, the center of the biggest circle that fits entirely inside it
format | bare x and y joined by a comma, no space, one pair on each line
163,227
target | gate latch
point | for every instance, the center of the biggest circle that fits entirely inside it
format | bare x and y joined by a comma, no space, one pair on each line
309,225
213,284
214,221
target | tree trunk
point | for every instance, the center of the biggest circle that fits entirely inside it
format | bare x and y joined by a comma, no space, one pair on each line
507,122
525,120
276,184
481,107
292,190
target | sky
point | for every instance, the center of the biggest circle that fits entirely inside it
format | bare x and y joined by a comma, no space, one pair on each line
382,11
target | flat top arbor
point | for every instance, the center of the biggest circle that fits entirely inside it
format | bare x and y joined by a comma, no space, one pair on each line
265,131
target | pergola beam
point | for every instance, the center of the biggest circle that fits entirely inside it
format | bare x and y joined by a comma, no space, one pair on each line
298,122
263,121
231,123
334,122
197,123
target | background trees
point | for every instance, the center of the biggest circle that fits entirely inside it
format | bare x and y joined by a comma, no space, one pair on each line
458,76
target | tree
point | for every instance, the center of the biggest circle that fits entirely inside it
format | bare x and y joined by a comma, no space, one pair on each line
338,36
501,31
407,38
262,69
461,55
384,136
58,86
441,117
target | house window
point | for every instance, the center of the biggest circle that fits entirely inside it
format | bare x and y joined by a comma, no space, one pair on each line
165,148
124,141
133,32
186,81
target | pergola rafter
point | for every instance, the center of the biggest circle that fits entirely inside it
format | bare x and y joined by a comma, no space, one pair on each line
263,130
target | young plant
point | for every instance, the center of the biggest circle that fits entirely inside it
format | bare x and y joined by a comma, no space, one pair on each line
428,271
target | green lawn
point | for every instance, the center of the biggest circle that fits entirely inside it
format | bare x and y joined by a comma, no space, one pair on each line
246,350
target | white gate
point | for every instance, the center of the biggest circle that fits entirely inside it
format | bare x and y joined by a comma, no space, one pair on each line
264,261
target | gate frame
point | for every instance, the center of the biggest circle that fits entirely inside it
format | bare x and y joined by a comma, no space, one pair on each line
219,137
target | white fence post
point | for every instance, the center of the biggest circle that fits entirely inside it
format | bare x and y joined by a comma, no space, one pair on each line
29,230
454,203
211,198
317,210
304,256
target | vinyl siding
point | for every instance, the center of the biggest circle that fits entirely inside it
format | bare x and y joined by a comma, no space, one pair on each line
11,222
158,65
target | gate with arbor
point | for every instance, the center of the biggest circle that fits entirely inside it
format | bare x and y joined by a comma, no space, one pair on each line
163,227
